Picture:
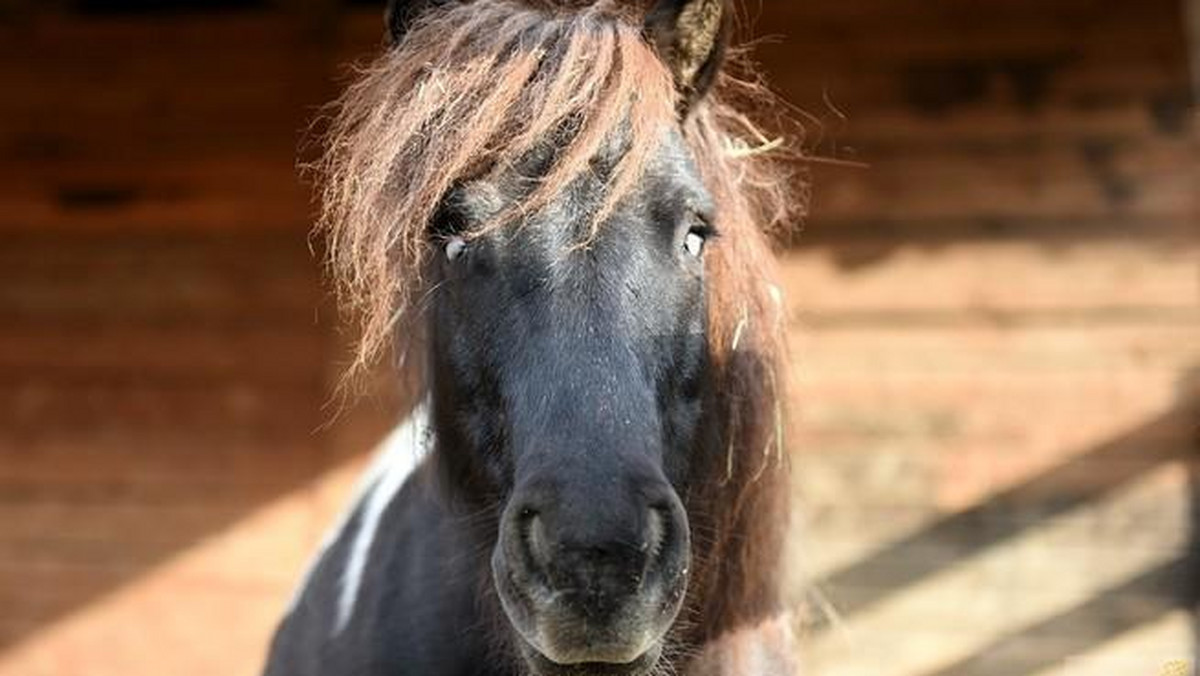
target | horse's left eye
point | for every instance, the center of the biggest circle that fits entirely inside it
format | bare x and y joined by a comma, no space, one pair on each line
455,246
693,243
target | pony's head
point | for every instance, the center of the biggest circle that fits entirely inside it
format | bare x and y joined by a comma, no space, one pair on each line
578,219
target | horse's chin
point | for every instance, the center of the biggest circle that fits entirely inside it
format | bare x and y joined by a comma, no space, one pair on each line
540,665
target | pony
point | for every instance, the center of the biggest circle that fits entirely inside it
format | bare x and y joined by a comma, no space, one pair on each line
561,221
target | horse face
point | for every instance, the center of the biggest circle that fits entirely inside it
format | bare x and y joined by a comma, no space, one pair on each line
569,382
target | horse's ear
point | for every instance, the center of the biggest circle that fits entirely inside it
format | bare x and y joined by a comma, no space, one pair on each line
400,14
691,36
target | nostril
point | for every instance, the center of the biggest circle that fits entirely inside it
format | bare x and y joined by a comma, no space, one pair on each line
533,534
655,534
667,541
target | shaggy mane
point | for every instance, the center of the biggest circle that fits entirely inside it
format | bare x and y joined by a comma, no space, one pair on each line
476,84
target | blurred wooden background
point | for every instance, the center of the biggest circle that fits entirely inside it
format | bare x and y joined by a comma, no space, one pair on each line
996,320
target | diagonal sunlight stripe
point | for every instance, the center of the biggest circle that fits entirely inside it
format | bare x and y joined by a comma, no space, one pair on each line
1069,486
209,609
1147,649
1113,603
957,612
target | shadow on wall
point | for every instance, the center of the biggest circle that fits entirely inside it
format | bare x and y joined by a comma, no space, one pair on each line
1088,478
155,389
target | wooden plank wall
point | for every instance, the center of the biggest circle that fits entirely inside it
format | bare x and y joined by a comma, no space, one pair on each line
997,334
165,347
995,327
